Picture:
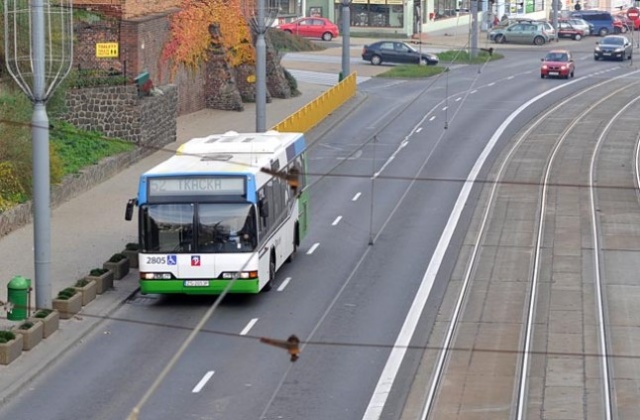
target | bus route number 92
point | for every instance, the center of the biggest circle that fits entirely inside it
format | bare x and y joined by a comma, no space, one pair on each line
156,260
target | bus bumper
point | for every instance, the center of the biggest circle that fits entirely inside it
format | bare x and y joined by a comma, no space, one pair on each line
214,287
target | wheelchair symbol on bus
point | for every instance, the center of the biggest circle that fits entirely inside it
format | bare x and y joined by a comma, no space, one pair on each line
172,259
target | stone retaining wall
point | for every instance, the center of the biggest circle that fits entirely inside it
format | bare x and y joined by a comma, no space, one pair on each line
118,112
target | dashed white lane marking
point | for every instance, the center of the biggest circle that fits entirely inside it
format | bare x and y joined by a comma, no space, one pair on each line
432,118
510,77
445,108
284,284
313,248
458,99
419,130
202,382
355,197
491,84
335,222
474,91
250,325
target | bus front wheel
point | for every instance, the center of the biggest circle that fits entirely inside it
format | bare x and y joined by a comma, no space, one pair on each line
272,274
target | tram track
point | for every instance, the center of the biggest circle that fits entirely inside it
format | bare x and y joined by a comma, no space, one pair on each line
526,250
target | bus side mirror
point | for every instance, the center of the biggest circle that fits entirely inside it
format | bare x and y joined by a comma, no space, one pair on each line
128,214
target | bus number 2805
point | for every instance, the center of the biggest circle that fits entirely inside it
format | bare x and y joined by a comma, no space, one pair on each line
156,260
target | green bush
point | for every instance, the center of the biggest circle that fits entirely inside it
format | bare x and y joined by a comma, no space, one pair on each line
67,293
26,325
132,246
82,283
285,42
117,257
6,336
43,313
97,272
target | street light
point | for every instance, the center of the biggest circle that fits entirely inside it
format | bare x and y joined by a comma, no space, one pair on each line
260,20
38,37
346,26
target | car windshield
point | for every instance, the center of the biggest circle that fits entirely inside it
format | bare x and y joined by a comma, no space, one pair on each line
613,41
557,56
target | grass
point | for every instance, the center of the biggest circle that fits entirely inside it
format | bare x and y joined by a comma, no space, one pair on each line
409,71
77,149
463,57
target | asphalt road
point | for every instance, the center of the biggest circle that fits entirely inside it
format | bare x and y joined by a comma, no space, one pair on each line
347,299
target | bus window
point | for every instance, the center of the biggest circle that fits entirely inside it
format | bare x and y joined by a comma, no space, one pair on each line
226,228
167,228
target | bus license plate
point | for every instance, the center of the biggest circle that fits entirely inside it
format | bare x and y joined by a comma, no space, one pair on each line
196,283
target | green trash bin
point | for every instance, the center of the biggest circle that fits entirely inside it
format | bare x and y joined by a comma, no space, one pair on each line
18,295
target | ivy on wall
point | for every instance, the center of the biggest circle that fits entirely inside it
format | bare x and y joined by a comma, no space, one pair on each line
190,38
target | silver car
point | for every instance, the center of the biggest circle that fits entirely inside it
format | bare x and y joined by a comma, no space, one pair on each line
533,32
580,24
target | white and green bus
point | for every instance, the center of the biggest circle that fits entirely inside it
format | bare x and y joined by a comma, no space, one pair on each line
227,208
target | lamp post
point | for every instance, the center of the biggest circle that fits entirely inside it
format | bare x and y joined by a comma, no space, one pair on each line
260,20
38,36
346,26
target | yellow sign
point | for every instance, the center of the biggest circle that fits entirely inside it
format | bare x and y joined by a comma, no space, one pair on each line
107,49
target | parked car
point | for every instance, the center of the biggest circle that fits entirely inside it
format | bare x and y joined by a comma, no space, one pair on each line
579,24
396,52
532,32
601,20
316,27
613,46
621,24
557,63
566,30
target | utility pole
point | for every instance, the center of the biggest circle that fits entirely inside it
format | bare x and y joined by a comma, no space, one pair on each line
38,67
346,28
474,29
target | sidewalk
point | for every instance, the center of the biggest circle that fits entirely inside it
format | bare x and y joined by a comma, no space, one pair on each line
88,229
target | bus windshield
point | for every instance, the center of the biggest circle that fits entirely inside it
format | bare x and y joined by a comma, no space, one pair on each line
218,228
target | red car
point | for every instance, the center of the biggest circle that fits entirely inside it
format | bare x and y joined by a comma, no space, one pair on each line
557,63
315,27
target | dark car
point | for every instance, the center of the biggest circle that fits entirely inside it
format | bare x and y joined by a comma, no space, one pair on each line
396,52
613,47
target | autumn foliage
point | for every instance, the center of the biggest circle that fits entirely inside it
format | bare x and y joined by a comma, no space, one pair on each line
190,37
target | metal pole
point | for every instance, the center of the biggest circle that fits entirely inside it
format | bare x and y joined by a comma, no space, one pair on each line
41,189
261,72
555,18
346,24
474,28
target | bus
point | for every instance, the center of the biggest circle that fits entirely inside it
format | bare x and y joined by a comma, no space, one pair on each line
223,214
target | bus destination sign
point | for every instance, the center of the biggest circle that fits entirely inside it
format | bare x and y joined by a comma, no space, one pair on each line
162,187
